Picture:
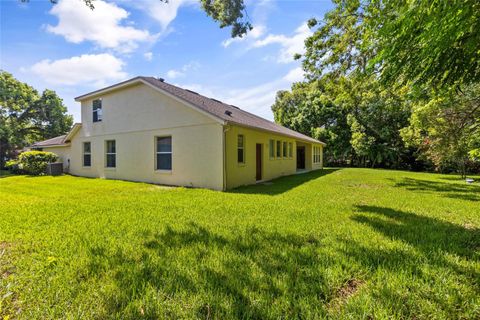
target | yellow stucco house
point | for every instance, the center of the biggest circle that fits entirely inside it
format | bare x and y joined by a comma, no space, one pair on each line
145,129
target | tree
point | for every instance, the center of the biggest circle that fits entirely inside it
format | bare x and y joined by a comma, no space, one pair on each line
52,117
26,117
358,119
229,13
429,43
433,44
307,108
446,128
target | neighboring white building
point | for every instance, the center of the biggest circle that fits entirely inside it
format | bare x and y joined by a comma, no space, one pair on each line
147,130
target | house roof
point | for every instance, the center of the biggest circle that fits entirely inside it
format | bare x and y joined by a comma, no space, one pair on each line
59,141
226,112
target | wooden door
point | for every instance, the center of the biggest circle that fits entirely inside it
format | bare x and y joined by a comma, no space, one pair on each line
259,162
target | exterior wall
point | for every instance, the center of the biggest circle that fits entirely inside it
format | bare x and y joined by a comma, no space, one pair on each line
63,154
243,174
134,117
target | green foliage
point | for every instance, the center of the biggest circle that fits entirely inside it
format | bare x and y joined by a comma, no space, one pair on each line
35,162
446,128
26,116
228,13
331,244
13,166
382,61
308,108
430,43
427,43
357,117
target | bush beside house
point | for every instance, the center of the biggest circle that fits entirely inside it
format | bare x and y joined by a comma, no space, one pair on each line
32,162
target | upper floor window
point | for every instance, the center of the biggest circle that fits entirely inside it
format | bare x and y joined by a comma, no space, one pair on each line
87,154
241,149
97,110
272,148
164,153
111,154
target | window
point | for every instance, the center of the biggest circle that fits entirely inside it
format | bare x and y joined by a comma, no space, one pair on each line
317,154
279,149
290,150
111,154
164,153
97,110
272,148
241,149
284,149
87,154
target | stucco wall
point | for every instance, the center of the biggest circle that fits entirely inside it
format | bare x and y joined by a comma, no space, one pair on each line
134,117
238,174
63,154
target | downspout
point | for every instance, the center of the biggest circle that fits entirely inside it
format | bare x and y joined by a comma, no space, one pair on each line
224,138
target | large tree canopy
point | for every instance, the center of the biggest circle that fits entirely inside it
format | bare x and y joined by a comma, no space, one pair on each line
392,69
26,116
434,43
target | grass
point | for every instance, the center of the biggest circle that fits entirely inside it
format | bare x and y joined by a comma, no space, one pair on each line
349,243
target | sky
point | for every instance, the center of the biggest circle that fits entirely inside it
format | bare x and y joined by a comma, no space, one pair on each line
73,50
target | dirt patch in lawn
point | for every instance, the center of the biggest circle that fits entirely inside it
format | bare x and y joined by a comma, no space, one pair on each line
6,267
348,289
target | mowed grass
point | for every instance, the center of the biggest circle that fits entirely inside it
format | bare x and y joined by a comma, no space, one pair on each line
347,243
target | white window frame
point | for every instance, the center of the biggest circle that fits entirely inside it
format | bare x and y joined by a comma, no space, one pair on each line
86,153
110,153
241,148
163,152
271,146
96,111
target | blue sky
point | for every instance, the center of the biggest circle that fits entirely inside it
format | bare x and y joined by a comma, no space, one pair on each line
73,50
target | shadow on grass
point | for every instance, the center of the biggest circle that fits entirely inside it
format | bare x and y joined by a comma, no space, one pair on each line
283,184
449,190
251,274
193,272
434,238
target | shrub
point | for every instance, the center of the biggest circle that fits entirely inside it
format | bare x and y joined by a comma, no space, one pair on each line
13,166
35,162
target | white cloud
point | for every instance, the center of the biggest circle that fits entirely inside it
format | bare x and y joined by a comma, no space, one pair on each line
173,74
256,99
289,46
255,33
94,69
163,12
295,75
103,25
148,56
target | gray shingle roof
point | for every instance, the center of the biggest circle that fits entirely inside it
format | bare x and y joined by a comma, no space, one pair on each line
225,111
220,110
50,142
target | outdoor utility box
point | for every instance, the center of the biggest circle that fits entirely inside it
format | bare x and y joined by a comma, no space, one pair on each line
55,169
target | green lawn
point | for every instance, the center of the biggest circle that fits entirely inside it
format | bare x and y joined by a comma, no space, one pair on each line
348,243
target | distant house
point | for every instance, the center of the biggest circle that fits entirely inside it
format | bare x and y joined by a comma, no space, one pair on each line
145,129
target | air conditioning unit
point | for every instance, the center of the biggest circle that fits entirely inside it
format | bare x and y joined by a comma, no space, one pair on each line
55,169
